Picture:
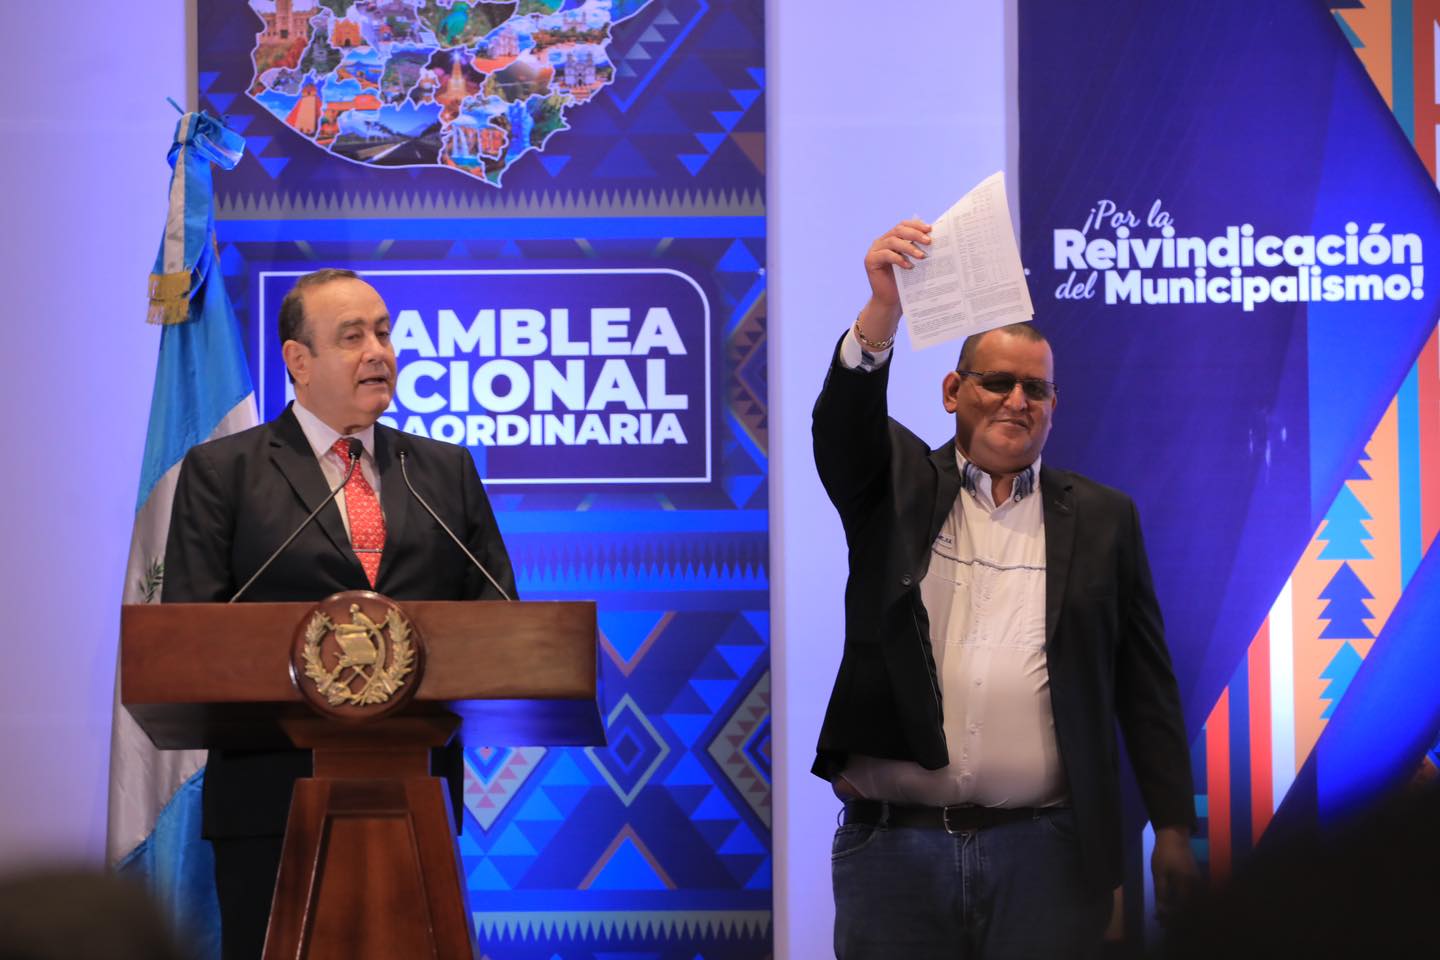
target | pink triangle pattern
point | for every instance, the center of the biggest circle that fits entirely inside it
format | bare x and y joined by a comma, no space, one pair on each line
728,749
486,798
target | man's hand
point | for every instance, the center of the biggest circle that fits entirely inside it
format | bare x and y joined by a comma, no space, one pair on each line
896,247
1176,875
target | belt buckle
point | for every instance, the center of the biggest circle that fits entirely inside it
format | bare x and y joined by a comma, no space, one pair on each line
954,831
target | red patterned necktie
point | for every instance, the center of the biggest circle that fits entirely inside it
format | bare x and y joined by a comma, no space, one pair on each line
367,523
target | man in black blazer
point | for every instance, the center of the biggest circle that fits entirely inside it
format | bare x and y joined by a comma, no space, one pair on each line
999,621
239,497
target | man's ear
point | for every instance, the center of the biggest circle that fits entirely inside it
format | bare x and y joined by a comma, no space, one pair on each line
297,360
950,391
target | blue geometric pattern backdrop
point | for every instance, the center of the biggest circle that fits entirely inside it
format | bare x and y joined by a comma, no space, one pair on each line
563,203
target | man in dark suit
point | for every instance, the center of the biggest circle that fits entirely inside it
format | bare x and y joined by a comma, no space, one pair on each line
237,499
999,621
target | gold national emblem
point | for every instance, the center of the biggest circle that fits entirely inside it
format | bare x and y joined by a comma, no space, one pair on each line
362,673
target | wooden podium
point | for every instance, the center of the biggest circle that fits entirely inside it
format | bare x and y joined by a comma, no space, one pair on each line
369,866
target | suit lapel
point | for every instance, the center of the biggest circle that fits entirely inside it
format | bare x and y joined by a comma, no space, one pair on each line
1059,507
395,498
292,456
947,471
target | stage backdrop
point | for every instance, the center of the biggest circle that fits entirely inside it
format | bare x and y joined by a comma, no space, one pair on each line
1226,214
562,202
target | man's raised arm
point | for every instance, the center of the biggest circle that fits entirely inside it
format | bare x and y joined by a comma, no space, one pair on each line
849,420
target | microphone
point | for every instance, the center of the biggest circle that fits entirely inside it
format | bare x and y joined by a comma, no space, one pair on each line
356,448
458,542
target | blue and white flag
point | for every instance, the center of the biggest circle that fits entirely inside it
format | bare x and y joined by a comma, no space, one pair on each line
202,391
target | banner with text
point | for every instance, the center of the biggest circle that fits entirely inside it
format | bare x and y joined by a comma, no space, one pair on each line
562,203
1226,224
612,364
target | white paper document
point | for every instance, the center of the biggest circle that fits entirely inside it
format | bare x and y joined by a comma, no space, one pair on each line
971,279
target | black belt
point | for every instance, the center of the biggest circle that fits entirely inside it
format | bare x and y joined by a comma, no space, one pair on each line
964,818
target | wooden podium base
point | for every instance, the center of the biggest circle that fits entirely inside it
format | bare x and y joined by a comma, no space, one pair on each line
369,868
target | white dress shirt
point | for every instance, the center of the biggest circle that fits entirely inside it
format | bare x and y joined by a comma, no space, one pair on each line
322,438
985,596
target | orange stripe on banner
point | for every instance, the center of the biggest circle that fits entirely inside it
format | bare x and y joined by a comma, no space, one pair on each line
1260,772
1372,25
1429,376
1217,779
1380,496
1422,26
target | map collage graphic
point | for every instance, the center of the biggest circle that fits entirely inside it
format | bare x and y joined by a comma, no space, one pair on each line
403,83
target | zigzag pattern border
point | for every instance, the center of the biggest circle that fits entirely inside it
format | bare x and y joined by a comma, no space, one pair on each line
621,924
672,579
405,205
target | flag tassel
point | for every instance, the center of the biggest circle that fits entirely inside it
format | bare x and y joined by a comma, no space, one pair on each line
169,298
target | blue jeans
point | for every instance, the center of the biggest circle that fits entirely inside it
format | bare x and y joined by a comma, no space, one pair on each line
1009,891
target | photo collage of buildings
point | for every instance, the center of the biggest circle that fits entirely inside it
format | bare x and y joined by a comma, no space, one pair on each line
468,86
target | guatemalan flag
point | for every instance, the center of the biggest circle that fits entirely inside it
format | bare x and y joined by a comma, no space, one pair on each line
202,391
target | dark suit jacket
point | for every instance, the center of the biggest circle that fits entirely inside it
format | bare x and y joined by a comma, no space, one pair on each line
1105,646
239,497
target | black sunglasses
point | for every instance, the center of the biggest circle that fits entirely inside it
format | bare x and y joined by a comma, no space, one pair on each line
998,382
